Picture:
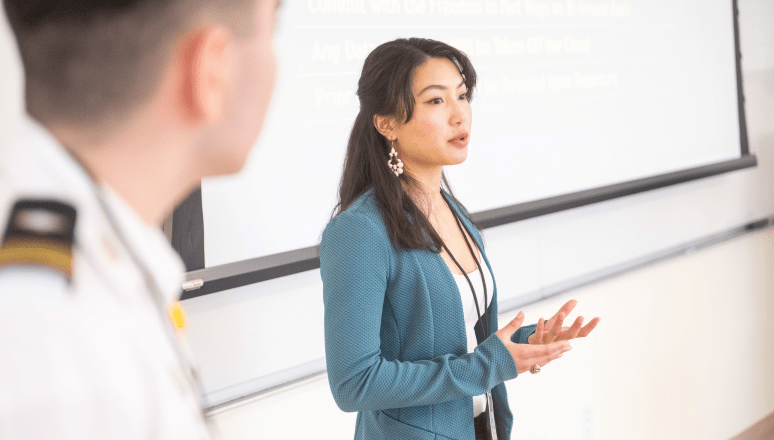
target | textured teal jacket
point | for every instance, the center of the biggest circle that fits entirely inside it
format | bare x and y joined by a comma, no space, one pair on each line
395,341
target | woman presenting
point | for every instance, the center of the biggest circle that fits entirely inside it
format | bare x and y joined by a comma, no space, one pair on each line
410,298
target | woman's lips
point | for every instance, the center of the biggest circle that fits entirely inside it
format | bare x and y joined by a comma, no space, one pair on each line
460,141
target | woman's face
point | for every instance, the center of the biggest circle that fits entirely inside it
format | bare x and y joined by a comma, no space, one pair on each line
439,129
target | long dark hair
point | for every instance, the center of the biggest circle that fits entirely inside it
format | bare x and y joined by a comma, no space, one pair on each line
385,89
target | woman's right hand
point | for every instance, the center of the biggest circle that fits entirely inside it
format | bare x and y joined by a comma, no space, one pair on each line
526,355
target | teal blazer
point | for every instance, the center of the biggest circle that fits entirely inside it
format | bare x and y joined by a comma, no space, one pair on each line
395,340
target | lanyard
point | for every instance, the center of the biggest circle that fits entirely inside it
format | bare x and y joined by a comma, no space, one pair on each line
484,323
158,301
154,290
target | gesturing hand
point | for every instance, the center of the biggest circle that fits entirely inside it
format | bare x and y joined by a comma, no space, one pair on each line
524,355
552,330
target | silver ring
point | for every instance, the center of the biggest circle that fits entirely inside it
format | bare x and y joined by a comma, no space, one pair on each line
535,369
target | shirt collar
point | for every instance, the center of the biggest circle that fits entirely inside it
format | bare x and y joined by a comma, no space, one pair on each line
148,244
38,166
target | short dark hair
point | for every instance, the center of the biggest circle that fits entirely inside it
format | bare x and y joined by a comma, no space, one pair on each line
385,89
93,61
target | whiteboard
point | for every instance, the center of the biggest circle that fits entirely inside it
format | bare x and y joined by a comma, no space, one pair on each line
572,95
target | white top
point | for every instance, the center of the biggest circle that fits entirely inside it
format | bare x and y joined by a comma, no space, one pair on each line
471,318
91,359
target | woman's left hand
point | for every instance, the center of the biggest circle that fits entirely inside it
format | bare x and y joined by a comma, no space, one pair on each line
552,330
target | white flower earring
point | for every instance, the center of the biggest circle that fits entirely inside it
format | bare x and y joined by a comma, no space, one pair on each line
396,167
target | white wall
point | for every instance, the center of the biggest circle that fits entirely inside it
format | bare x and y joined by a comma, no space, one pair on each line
11,92
685,348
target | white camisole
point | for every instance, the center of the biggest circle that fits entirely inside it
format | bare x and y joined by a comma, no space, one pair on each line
469,310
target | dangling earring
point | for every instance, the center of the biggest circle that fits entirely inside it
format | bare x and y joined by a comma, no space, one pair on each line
396,168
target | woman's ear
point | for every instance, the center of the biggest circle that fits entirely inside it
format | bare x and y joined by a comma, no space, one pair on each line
386,125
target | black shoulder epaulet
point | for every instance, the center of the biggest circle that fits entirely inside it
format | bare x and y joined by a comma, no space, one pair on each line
40,233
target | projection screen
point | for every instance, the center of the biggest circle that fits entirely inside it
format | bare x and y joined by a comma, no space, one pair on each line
573,97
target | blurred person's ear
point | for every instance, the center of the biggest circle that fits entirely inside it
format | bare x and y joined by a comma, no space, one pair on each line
207,67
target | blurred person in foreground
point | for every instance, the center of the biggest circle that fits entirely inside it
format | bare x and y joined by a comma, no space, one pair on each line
130,103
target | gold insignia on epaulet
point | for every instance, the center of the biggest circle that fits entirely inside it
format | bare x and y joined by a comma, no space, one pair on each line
40,233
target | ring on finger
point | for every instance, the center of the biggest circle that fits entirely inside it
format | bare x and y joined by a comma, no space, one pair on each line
535,369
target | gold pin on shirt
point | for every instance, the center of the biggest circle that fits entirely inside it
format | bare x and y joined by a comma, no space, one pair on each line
177,316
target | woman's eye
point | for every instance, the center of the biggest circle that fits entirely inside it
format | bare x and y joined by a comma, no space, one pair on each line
463,96
435,101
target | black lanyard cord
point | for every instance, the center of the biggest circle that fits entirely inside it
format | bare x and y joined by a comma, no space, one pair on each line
484,324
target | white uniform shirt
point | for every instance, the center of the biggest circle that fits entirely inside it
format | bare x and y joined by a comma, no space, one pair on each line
471,317
91,359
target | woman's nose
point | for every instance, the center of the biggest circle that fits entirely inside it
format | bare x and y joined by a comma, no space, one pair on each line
459,112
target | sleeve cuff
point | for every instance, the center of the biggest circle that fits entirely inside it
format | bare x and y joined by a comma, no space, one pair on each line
504,368
521,336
